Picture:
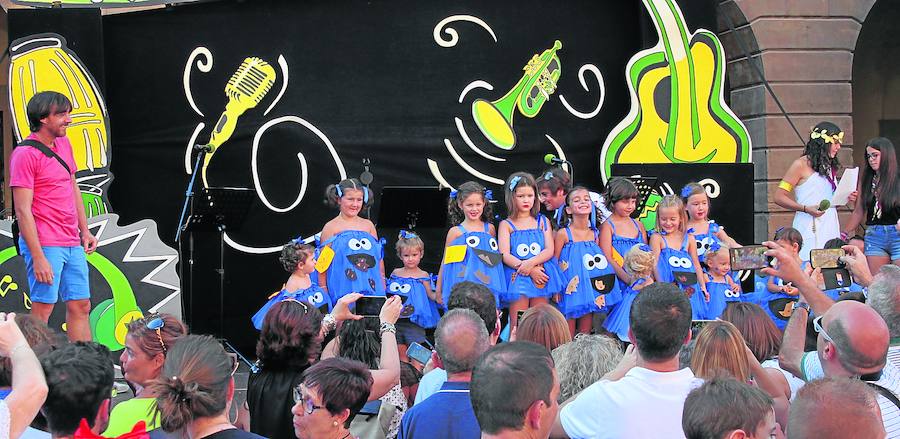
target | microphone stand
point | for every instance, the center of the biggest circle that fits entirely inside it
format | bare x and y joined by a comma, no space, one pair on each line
189,192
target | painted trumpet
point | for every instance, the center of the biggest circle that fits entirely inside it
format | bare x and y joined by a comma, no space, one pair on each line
495,119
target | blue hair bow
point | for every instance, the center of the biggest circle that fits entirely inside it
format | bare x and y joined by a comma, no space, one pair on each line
453,193
406,234
685,191
513,182
489,194
548,175
715,246
644,248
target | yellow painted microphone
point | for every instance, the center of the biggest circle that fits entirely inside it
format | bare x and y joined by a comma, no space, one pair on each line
249,84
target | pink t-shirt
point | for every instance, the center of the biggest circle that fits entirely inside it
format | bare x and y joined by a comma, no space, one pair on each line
53,205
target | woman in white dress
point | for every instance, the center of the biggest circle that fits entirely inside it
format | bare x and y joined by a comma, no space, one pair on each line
813,178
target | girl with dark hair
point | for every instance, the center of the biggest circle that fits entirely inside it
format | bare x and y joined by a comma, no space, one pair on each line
195,390
621,232
526,243
471,252
298,259
147,344
332,393
349,245
813,177
880,206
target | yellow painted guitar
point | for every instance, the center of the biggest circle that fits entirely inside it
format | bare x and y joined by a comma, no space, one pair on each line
678,113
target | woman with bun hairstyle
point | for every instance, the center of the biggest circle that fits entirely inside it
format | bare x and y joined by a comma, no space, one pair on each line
195,390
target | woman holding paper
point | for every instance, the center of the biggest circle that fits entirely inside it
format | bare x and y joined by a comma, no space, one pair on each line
880,189
813,179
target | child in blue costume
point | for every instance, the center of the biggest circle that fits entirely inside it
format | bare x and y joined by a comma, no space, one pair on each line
721,286
639,263
471,251
706,231
350,253
526,242
414,285
676,253
590,280
621,199
779,298
297,258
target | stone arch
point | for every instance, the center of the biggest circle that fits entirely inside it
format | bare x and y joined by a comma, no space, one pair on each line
792,41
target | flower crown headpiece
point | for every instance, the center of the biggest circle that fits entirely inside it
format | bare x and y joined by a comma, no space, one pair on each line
827,138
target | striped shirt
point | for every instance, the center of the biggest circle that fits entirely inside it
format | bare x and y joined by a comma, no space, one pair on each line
811,368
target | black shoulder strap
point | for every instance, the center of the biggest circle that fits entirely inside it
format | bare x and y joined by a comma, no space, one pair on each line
46,151
885,393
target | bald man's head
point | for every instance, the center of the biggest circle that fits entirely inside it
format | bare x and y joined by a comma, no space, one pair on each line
460,338
860,336
835,408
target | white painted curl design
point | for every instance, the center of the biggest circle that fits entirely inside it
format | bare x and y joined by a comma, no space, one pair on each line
581,78
284,83
454,36
204,65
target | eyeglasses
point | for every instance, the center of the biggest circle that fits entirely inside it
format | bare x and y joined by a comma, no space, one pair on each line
817,325
307,404
156,324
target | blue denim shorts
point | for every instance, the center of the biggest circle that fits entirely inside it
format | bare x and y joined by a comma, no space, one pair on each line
883,241
70,274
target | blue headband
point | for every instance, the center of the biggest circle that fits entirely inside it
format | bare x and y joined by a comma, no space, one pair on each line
644,248
489,194
715,246
405,234
685,191
340,192
453,193
548,175
513,182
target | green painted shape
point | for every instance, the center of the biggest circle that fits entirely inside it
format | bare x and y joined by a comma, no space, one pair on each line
103,325
93,204
7,254
615,147
719,110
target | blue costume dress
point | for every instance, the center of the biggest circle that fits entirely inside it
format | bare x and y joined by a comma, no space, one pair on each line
482,263
526,244
706,240
618,320
589,278
720,293
621,244
314,295
677,266
356,266
412,290
778,306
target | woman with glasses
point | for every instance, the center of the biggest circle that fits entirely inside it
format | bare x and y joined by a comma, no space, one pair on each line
289,343
146,345
813,178
195,389
880,206
331,394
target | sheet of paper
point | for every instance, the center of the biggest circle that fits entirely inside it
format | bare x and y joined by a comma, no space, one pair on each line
846,185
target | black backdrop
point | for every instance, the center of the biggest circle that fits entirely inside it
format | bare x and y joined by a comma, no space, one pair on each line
370,76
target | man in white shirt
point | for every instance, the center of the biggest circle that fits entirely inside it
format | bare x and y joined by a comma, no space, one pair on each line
644,396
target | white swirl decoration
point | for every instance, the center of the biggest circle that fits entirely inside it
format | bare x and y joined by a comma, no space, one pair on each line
581,78
454,36
204,65
711,186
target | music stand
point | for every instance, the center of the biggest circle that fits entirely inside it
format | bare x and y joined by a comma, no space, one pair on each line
408,207
419,208
221,209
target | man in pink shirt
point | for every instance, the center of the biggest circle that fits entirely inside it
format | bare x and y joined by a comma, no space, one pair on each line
54,233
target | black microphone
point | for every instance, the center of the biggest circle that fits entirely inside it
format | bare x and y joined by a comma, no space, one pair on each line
551,159
206,148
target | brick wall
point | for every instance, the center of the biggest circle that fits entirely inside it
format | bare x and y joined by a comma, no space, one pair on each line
805,51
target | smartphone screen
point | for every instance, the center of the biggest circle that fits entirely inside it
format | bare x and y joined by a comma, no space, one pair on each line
418,352
751,257
826,258
369,306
